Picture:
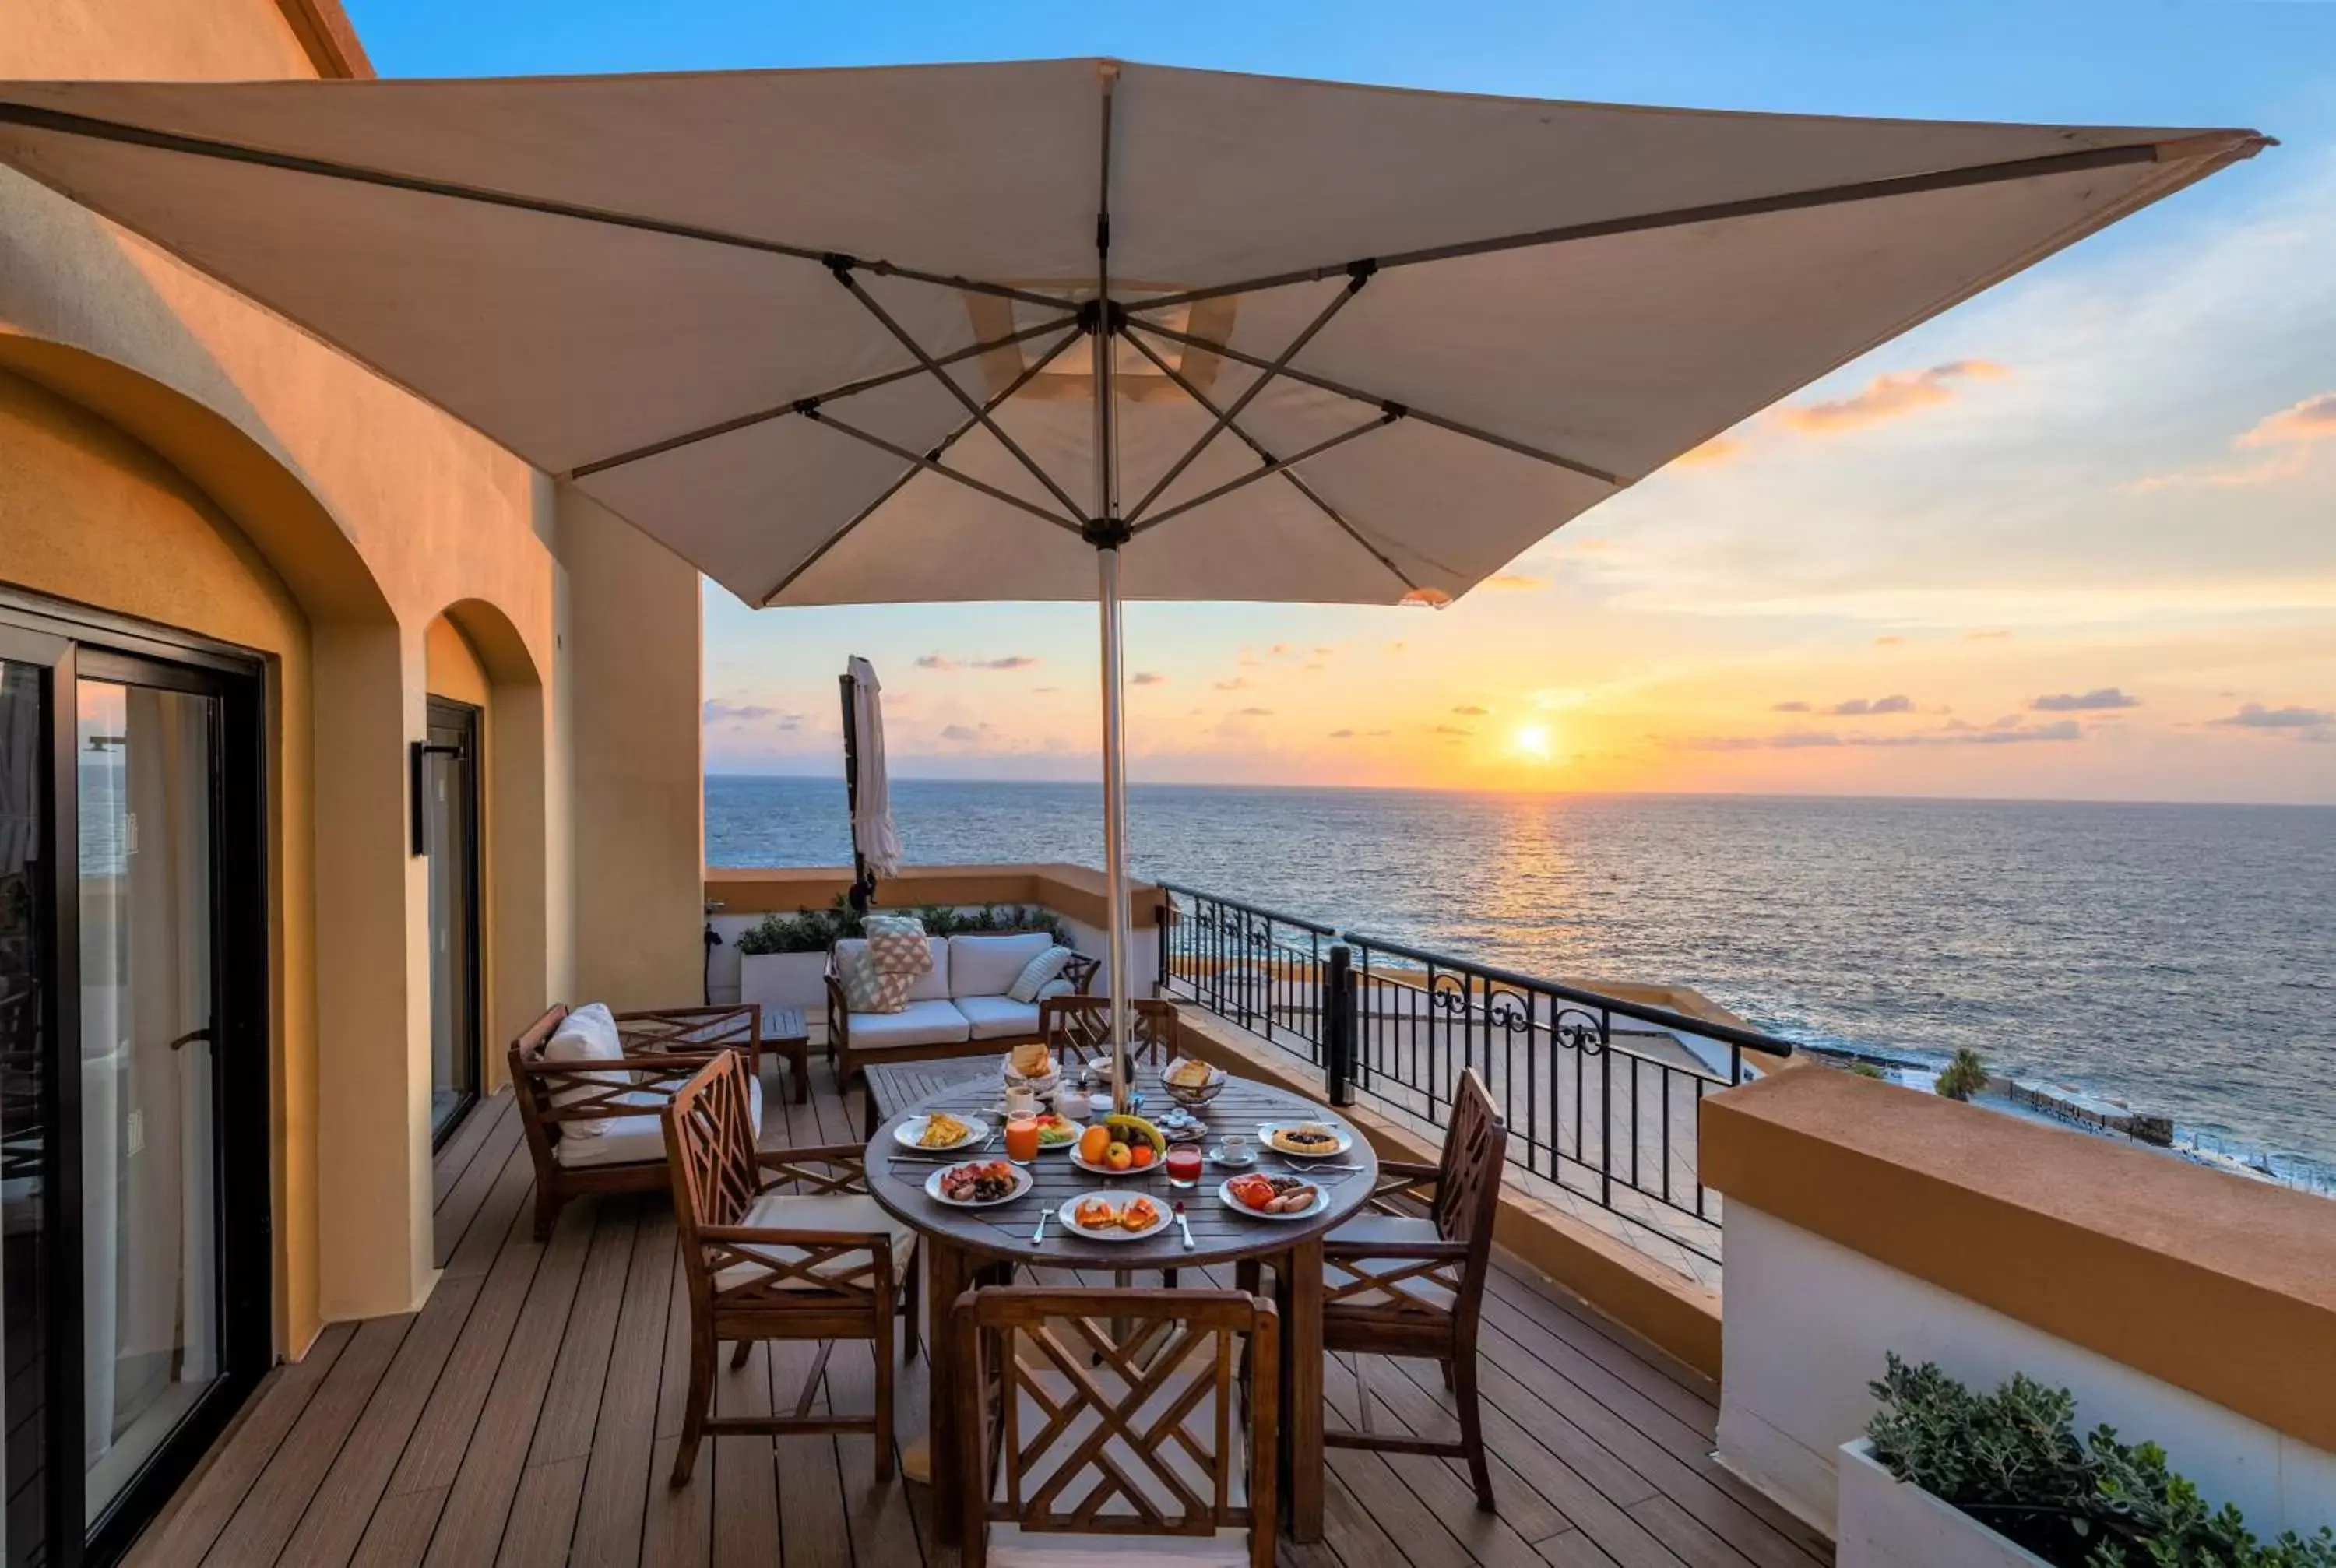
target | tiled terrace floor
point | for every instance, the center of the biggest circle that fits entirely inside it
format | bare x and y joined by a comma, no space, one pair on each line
528,1414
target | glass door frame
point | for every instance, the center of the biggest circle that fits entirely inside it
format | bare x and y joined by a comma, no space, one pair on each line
76,645
467,721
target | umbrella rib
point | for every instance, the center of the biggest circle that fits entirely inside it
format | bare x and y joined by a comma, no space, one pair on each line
820,417
964,398
1356,278
1325,383
794,405
1296,482
1394,411
1710,212
951,439
94,129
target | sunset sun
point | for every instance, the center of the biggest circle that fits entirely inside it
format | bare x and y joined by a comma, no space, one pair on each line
1533,741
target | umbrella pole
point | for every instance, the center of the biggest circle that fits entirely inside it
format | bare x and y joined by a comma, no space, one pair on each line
1114,818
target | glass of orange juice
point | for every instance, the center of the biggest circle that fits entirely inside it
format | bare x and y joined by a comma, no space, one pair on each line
1022,1139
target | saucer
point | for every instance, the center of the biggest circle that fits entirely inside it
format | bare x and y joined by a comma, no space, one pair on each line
1216,1153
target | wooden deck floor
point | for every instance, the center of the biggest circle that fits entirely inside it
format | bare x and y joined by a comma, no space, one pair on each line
528,1414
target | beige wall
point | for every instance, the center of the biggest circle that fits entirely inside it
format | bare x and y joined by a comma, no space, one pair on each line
170,451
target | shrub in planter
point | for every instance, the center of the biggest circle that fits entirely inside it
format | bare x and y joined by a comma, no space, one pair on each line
2013,1460
816,931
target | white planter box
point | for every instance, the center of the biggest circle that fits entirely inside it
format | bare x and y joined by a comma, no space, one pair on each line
785,981
1883,1522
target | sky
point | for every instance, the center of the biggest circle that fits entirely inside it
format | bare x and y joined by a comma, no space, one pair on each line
2074,538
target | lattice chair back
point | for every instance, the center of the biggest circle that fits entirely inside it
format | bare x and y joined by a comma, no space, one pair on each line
1475,1148
1078,1029
1117,1413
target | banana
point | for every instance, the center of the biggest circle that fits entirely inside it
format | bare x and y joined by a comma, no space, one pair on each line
1126,1129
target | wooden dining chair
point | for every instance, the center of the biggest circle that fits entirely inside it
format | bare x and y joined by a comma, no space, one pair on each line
1086,1417
1078,1029
1398,1282
823,1261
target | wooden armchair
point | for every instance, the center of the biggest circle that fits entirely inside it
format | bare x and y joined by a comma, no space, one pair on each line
1087,1416
821,1262
1078,1029
1400,1283
618,1099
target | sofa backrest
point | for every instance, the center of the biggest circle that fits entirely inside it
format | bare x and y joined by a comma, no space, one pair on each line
984,966
932,986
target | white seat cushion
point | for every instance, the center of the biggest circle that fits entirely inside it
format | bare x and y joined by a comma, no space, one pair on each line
999,1017
628,1140
1366,1228
1012,1547
933,1022
988,966
843,1212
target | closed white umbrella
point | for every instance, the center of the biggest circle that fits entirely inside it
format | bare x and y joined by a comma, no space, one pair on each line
875,843
1068,328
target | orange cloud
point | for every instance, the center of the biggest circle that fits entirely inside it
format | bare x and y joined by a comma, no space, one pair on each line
1887,397
2314,419
2289,434
1515,581
1719,449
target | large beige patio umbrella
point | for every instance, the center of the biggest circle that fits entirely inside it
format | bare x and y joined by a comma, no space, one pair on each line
1074,329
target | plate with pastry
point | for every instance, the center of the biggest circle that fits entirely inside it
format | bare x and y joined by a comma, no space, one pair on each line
1108,1217
938,1132
1306,1140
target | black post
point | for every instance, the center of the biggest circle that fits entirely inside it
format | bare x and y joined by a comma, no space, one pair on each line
864,886
1337,1008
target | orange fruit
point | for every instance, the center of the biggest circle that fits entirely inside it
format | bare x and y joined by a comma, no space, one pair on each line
1141,1154
1092,1142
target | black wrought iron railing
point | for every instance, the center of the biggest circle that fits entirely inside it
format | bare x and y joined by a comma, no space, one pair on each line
1601,1092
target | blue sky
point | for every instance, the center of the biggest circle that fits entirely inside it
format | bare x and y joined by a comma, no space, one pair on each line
2090,509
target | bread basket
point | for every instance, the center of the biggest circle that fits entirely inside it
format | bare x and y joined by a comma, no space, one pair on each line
1195,1095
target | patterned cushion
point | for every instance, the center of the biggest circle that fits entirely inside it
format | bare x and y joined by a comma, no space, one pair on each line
1028,985
868,989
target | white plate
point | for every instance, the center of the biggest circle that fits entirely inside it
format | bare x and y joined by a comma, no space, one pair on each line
907,1133
1022,1180
1070,1206
1265,1139
1078,1130
1158,1161
1225,1196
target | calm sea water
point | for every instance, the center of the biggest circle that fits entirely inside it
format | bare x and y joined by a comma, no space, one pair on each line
2181,958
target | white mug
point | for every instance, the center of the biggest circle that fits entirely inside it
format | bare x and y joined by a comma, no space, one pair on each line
1021,1102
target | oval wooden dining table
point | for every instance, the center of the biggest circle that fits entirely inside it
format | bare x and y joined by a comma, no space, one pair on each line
959,1244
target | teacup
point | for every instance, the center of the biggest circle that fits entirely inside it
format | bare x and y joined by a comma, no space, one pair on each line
1234,1150
1021,1102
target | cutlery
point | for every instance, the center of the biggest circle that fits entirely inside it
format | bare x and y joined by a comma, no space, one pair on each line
1040,1234
1183,1226
1301,1167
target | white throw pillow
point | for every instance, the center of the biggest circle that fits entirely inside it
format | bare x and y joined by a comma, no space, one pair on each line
588,1034
986,966
1028,986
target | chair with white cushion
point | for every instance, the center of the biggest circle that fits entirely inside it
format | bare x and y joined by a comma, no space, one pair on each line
589,1084
779,1244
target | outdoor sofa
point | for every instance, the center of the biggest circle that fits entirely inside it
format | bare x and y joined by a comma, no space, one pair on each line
959,1008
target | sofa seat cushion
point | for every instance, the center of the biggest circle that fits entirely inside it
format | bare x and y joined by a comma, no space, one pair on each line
925,1023
1417,1293
631,1140
988,965
843,1212
999,1017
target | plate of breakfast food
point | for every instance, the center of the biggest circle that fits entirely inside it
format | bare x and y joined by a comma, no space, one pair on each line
1108,1217
1273,1197
1305,1140
938,1130
978,1185
1032,1067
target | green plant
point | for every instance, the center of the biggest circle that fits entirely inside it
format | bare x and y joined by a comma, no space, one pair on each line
2013,1460
1865,1070
1964,1076
816,931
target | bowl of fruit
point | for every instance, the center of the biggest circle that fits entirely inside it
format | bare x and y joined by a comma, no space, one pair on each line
978,1185
1121,1146
1192,1083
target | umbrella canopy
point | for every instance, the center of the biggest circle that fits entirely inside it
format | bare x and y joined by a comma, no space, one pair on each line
1049,329
875,843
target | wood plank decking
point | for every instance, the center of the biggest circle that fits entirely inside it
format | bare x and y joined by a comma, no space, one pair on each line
528,1415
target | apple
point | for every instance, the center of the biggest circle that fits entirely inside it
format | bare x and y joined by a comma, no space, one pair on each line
1119,1156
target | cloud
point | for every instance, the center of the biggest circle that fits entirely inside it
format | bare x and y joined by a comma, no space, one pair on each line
1450,729
2255,715
1888,397
1986,634
2106,697
1342,734
1256,713
1396,647
716,711
1148,678
1788,707
936,661
958,732
1282,651
1892,640
1719,449
1042,690
1951,734
1515,581
1325,651
1011,661
1867,707
2314,419
1470,710
1236,684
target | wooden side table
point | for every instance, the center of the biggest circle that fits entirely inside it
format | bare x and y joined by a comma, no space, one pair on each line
784,1035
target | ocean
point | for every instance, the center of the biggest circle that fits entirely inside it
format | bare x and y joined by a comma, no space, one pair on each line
2181,958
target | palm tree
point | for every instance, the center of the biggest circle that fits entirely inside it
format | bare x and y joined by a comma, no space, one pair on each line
1964,1076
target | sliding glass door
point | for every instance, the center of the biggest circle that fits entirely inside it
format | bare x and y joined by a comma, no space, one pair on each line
450,820
134,1128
